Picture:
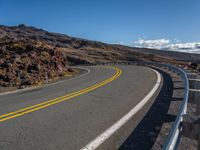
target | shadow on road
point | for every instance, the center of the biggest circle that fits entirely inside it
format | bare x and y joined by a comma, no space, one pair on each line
145,134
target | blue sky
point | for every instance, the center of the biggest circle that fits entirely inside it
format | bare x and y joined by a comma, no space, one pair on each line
131,22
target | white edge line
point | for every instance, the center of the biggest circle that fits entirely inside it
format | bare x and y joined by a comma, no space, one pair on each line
110,131
36,87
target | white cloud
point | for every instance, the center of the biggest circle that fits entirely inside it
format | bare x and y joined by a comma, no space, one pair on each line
158,43
191,47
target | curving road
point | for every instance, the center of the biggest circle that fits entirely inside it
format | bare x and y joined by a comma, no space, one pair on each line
72,113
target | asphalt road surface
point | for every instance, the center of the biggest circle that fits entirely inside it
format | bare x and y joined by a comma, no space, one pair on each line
72,113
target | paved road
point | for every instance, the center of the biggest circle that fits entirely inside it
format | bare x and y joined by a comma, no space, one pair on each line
71,124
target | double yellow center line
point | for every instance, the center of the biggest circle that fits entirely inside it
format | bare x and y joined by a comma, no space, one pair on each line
36,107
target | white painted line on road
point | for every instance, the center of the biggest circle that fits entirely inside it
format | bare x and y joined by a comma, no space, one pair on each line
32,88
110,131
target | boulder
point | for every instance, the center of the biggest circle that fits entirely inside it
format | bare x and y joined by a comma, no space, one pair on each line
9,76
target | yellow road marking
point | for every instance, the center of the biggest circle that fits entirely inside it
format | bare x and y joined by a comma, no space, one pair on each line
32,108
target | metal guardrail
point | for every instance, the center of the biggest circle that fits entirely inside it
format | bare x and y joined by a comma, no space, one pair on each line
173,138
174,135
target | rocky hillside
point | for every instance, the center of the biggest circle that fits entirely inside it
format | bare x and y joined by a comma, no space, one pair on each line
29,55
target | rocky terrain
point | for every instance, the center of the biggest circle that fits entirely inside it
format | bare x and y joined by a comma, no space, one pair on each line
30,56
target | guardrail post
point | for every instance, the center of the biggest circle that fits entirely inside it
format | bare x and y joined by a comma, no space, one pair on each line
190,127
194,83
194,97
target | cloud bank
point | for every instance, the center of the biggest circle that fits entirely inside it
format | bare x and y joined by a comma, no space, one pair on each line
165,44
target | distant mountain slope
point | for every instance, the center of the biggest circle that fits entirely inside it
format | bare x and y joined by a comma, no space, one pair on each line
171,54
165,53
